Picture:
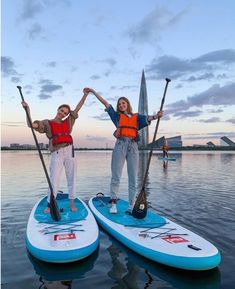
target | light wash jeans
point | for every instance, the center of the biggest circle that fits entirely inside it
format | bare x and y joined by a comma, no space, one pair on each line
59,159
125,149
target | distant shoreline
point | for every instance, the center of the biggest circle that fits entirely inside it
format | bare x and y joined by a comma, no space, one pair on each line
186,148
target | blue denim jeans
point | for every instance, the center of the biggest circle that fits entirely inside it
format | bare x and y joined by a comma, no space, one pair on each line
125,149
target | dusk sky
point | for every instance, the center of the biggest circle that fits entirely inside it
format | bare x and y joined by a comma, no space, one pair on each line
55,48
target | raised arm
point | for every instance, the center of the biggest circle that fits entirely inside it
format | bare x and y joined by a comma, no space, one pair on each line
81,102
101,99
26,107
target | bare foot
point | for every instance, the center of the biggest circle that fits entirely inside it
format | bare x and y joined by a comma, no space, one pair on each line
47,210
73,209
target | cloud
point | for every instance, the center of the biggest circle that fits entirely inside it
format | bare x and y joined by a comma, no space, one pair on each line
201,77
32,8
44,96
150,28
13,124
51,64
210,120
35,31
107,73
15,79
8,67
215,95
225,56
103,116
213,135
96,138
47,87
94,77
125,87
185,114
112,62
232,120
215,110
203,66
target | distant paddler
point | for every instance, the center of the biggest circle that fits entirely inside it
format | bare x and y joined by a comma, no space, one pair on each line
165,149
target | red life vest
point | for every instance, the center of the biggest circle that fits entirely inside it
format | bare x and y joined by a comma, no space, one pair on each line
127,126
60,132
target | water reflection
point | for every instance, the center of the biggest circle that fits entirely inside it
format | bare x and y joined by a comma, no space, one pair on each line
130,269
62,275
165,166
124,273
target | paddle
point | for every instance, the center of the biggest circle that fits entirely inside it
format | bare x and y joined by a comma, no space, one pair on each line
140,207
54,210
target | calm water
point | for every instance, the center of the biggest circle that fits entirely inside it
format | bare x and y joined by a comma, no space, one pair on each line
197,191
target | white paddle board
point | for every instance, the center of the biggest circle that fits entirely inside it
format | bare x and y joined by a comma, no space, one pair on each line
73,238
156,237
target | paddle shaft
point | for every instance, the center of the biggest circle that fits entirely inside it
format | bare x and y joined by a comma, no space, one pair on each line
154,136
52,198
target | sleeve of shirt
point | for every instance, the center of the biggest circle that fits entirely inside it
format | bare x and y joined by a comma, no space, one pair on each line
72,118
143,121
43,126
113,115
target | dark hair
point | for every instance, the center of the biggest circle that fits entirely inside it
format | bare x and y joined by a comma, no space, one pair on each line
129,108
64,105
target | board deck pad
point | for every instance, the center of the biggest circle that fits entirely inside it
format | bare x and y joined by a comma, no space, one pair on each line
67,216
152,220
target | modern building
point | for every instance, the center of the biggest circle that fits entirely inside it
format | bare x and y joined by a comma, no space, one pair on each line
14,145
43,146
211,144
225,141
27,146
173,142
143,109
158,143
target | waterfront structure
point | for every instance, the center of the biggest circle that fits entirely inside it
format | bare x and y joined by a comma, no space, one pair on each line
211,144
173,142
143,109
43,146
14,145
225,141
158,143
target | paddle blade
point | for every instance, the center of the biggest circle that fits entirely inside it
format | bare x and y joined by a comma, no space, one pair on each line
140,208
54,210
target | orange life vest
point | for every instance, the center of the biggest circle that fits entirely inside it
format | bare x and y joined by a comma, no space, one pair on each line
127,126
165,147
60,132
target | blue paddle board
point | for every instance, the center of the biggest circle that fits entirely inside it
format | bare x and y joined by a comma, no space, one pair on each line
167,159
73,238
156,237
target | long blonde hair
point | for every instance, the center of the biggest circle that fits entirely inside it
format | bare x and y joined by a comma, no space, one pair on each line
129,108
